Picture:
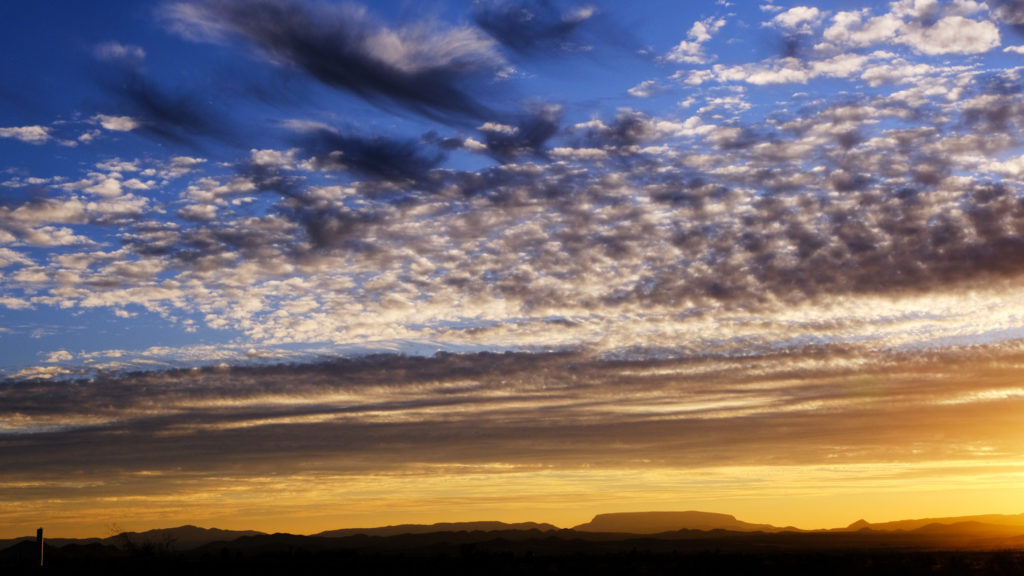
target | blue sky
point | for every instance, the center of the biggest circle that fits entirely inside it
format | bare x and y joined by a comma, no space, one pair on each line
725,187
132,125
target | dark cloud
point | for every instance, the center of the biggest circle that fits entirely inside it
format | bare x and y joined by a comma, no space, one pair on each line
183,118
533,27
376,157
1000,113
629,128
433,73
329,229
377,413
531,132
1010,12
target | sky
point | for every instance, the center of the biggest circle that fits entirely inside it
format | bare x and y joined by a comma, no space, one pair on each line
298,265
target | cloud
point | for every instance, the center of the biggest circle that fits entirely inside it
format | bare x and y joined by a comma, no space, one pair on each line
500,412
625,232
422,68
927,29
646,89
15,303
534,27
692,51
29,134
800,19
116,52
953,35
116,123
59,356
876,68
1010,11
529,133
9,257
179,118
377,157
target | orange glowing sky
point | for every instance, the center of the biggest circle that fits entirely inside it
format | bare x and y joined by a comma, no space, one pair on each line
814,441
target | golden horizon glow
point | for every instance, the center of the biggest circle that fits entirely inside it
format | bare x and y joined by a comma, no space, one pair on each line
805,497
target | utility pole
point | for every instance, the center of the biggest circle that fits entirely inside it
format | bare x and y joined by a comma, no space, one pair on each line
39,539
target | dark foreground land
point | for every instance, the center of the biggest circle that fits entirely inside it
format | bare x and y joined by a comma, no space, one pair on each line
522,552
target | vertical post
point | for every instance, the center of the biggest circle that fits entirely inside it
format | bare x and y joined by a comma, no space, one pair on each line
39,539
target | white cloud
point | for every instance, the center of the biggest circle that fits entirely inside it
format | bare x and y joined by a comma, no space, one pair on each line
15,303
580,14
645,89
924,26
498,128
89,136
59,356
952,35
9,257
799,19
692,51
116,123
782,71
277,158
1013,167
474,145
66,211
1014,49
702,30
198,212
180,166
692,126
49,236
849,29
733,103
422,48
687,52
42,372
579,153
30,134
106,187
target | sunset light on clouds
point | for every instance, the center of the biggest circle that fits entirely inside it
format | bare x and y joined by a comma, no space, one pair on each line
300,265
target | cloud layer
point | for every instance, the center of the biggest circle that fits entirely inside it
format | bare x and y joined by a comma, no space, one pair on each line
535,419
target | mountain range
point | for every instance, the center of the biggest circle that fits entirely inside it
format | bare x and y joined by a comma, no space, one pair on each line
991,530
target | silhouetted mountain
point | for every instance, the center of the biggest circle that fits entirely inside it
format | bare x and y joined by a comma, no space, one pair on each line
485,526
859,525
55,542
971,528
657,522
180,538
933,549
22,551
908,525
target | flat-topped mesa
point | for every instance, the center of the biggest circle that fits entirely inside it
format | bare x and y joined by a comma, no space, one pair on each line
657,522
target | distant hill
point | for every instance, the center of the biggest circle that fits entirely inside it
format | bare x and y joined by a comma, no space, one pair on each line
56,542
485,526
982,531
180,538
909,525
658,522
